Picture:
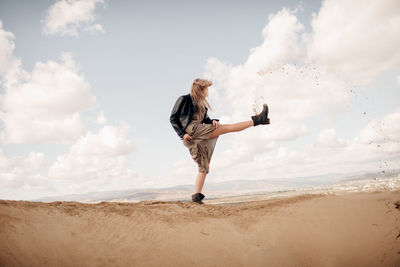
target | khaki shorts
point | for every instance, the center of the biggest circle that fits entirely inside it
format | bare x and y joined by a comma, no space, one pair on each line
201,147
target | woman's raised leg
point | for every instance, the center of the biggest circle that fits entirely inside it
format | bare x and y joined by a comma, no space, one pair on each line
233,127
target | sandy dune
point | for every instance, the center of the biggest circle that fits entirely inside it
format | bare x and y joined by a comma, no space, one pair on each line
357,229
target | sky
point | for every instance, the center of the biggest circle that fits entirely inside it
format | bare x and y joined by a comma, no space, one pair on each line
87,88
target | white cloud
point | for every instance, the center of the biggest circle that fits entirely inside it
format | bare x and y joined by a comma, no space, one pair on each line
98,161
179,173
44,106
398,79
356,39
13,171
101,119
295,75
293,91
65,17
19,175
280,45
328,138
377,146
273,74
94,28
7,47
10,67
382,132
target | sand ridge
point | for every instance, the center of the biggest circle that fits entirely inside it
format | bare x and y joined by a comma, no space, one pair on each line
357,229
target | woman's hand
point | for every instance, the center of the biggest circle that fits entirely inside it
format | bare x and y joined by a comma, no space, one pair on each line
216,123
187,137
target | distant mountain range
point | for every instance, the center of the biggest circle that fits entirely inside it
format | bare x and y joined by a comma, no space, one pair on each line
220,189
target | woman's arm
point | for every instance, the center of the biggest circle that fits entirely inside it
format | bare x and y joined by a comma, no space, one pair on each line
207,119
174,118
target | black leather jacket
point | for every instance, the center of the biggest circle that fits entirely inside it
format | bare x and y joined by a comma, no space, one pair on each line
182,114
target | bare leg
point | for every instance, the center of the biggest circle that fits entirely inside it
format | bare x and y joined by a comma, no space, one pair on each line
234,127
199,182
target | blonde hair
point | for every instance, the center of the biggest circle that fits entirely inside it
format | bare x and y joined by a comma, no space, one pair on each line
198,93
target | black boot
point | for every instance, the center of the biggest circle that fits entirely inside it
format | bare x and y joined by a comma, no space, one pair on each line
197,198
261,118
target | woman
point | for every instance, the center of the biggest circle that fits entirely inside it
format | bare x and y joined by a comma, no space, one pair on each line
200,133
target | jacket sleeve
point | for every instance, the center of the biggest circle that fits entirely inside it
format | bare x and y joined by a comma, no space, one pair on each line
207,119
174,118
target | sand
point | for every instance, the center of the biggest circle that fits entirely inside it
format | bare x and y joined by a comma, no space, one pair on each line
354,229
